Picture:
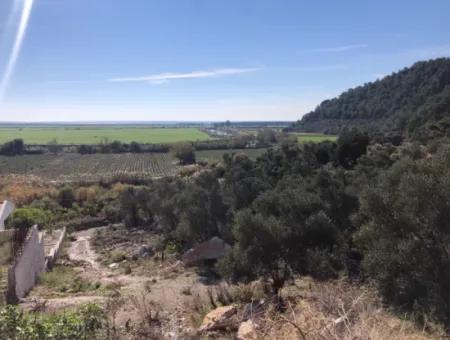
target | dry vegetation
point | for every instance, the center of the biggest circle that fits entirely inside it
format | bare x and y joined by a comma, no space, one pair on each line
338,310
23,189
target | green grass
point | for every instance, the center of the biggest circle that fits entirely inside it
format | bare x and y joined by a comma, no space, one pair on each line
96,134
314,137
64,280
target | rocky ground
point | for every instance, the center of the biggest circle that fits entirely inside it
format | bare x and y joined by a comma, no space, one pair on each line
147,298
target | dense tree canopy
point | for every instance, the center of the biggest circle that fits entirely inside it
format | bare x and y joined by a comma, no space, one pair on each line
406,100
406,234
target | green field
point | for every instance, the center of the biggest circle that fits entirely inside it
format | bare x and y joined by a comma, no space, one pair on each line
97,134
314,137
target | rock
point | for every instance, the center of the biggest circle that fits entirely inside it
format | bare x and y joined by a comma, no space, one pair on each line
213,249
170,335
219,319
114,265
143,251
247,331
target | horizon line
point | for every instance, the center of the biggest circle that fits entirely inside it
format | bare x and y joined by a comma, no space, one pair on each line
141,121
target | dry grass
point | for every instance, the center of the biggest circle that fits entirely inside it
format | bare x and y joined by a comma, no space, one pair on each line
23,189
338,311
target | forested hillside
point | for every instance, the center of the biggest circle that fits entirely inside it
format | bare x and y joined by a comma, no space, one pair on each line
415,100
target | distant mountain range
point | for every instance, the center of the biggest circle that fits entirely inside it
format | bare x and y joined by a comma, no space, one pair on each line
413,100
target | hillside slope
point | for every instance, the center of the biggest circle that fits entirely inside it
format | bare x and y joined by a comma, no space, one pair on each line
408,100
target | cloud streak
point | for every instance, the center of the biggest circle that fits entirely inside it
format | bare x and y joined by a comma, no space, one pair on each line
20,35
162,78
342,48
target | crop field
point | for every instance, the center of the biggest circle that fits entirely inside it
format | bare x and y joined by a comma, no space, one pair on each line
97,134
76,167
69,167
314,137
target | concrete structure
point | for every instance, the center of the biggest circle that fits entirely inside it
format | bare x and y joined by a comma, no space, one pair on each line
31,259
6,209
54,249
29,264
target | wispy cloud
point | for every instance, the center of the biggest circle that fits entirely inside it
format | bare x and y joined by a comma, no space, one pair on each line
162,78
342,48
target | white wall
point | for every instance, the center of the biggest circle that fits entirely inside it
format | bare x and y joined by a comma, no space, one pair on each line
29,264
54,252
5,210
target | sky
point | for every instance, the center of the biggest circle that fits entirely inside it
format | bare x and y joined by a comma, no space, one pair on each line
203,60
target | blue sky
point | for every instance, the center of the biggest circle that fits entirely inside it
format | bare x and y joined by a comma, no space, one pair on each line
205,59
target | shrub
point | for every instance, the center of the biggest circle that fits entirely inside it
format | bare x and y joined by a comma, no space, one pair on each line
351,145
13,148
27,217
185,153
87,194
66,197
85,323
406,235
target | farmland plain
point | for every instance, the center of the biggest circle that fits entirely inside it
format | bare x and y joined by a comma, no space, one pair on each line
96,134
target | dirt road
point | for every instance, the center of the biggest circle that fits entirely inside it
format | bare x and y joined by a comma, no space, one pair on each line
80,249
166,287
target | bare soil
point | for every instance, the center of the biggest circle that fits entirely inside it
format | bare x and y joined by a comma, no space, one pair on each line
169,289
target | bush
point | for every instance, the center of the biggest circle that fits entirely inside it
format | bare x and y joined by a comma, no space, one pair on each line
85,323
66,197
86,149
13,148
134,207
351,144
135,147
27,217
406,235
185,153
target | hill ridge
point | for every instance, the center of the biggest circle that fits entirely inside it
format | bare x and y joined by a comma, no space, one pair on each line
405,100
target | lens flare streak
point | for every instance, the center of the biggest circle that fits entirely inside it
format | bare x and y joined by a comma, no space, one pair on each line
15,52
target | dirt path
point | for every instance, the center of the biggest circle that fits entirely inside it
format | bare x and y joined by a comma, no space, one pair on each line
89,268
170,289
166,288
80,249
